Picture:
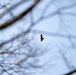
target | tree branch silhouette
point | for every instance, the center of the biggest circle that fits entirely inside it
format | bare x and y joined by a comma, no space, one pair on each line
7,24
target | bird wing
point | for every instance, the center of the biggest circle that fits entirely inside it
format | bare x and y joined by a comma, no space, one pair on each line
41,36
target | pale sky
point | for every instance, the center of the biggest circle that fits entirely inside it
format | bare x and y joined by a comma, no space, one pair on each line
55,65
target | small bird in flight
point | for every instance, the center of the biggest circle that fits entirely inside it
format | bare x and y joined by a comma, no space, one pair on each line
41,38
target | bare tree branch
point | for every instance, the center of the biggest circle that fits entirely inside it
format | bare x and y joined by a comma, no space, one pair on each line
54,34
70,73
7,24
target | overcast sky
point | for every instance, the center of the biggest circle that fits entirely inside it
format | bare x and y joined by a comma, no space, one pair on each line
54,63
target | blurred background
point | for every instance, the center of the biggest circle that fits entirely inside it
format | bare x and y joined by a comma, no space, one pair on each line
21,24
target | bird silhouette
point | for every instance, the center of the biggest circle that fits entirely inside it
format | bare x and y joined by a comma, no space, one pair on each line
41,38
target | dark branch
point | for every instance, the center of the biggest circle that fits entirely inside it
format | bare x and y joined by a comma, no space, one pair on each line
70,73
7,24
